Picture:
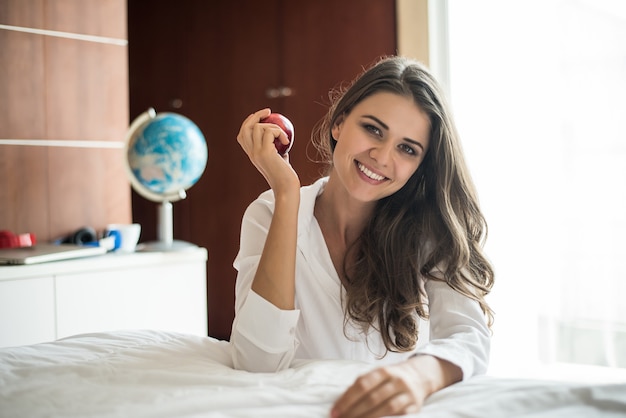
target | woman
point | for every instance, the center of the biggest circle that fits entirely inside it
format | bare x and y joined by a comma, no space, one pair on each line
349,266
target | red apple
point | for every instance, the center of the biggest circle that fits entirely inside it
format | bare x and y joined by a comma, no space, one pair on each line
284,124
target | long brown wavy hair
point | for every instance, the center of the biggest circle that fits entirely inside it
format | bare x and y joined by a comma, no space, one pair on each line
430,229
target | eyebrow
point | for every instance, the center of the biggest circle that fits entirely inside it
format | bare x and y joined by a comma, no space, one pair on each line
384,125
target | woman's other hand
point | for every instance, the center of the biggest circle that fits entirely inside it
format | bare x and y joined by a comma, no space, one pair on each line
395,390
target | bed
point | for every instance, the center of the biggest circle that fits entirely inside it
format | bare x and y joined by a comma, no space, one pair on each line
148,373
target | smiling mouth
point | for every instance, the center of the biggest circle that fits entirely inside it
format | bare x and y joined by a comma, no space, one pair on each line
369,173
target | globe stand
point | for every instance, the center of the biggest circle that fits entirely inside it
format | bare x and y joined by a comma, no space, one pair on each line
165,233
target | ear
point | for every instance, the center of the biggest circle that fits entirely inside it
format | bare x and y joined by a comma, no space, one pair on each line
336,129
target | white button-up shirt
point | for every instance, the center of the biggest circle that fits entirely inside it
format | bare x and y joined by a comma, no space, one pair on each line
266,338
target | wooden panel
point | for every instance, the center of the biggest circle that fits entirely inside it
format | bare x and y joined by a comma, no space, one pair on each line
23,190
105,18
87,187
26,13
90,17
87,95
22,105
115,194
22,169
57,88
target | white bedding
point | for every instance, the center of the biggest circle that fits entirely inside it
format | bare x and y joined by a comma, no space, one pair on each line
164,374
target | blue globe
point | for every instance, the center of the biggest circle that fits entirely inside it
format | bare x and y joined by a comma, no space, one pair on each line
166,155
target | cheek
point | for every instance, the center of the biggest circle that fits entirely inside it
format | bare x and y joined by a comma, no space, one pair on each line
408,170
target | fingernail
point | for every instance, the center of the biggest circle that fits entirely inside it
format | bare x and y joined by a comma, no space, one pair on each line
334,413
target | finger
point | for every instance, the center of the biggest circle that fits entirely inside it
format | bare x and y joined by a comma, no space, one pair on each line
355,393
262,137
243,129
261,114
381,403
250,121
373,401
399,404
282,137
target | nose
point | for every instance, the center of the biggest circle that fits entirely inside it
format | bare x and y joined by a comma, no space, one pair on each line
382,153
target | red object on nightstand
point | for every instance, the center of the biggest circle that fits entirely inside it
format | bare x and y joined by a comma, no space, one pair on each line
10,240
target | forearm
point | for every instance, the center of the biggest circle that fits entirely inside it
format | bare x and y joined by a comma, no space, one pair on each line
275,276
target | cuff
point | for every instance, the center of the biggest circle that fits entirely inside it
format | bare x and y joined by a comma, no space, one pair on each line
271,329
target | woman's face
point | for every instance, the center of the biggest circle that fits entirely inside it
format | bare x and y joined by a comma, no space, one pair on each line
380,144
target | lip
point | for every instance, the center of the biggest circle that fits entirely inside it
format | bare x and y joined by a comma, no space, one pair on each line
367,178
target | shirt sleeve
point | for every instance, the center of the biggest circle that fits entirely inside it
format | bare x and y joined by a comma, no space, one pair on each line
458,329
263,337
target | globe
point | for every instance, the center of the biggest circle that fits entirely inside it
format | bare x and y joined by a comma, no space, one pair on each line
166,154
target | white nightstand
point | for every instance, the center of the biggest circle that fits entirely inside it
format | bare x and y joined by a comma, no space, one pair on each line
149,290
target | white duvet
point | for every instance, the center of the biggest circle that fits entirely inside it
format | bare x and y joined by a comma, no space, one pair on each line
164,374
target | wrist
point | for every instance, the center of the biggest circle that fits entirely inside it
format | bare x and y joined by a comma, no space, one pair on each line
434,373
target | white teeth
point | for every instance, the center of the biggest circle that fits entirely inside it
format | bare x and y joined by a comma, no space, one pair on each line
370,173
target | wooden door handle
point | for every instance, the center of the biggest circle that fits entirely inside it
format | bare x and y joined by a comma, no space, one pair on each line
278,92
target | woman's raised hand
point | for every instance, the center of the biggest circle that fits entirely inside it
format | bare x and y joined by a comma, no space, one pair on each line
257,140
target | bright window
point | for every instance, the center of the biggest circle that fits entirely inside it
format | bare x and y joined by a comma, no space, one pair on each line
538,89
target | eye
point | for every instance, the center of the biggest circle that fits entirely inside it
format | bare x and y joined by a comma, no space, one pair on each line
406,148
373,129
